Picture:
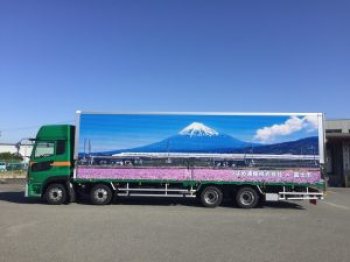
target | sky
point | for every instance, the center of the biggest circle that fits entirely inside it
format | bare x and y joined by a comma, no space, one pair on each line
57,57
124,131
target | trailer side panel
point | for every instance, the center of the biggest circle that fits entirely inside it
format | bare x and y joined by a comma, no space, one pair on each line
262,148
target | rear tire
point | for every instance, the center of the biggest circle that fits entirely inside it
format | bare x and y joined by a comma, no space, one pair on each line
211,196
101,194
55,194
247,197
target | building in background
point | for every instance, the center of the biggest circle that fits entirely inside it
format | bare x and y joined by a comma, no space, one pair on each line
337,152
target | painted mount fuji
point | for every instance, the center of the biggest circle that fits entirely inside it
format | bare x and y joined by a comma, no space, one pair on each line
194,138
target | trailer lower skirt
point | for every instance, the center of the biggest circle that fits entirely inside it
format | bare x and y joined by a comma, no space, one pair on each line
155,192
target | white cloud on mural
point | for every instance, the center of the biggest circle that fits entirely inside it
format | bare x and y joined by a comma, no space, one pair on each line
290,126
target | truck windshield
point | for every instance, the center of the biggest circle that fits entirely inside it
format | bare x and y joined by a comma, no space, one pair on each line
44,149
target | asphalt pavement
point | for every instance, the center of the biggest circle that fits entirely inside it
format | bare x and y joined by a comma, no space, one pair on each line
173,230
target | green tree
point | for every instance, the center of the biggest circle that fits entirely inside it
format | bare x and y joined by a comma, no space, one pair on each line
10,157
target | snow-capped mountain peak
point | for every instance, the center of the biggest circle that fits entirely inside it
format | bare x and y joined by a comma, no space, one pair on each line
198,129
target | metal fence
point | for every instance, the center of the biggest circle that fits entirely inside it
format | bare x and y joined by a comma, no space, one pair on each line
12,168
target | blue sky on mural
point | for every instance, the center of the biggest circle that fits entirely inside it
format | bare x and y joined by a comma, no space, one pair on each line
110,132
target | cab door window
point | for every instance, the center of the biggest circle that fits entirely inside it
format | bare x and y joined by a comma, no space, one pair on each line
60,147
44,149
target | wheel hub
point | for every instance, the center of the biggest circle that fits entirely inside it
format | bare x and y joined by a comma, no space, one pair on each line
101,194
211,197
247,198
56,194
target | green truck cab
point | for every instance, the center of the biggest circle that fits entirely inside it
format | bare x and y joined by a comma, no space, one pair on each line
51,162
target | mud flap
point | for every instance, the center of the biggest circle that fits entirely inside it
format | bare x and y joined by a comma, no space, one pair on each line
313,201
72,193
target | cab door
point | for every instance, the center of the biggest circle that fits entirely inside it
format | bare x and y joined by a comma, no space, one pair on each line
48,161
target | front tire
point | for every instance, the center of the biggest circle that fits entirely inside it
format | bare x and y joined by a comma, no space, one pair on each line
101,195
211,196
55,194
247,197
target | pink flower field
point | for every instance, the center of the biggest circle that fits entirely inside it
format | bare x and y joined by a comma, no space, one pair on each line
183,174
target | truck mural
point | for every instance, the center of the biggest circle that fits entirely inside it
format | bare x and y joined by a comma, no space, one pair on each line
177,147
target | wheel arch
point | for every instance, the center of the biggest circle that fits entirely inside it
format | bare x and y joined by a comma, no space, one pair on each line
257,188
202,186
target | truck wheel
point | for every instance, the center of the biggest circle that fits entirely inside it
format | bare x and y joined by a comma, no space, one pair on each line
247,197
101,195
211,196
55,194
